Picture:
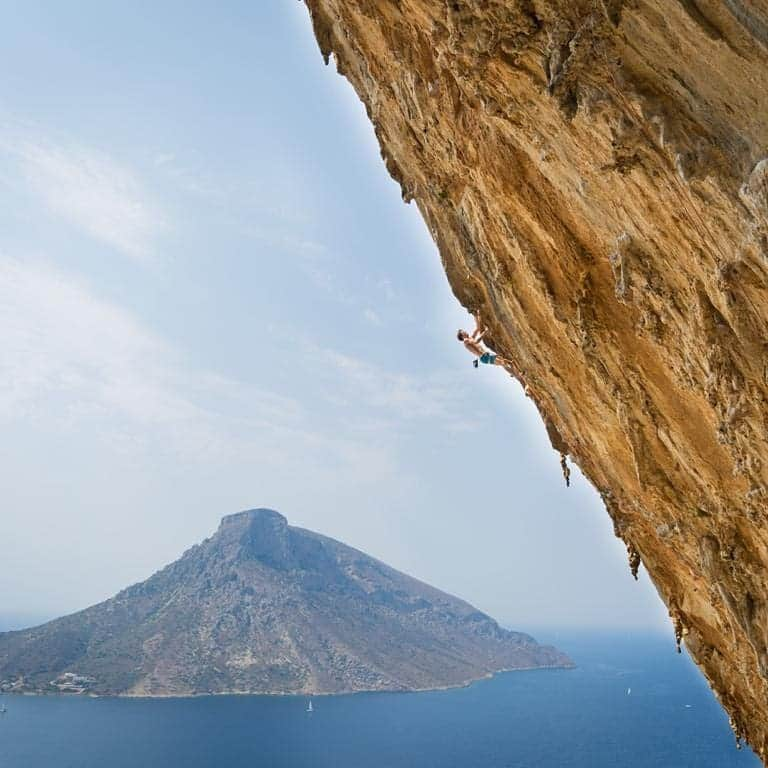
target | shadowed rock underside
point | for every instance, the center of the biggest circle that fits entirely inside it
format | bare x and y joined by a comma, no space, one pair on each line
595,174
263,607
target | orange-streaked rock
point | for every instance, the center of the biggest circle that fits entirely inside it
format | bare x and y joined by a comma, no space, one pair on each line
595,175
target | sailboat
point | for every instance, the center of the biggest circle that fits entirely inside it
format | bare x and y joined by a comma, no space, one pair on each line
629,691
3,708
309,706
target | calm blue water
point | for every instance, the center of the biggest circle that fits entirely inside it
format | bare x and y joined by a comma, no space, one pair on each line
581,718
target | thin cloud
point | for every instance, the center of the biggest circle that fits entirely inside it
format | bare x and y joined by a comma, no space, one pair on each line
67,355
372,317
385,284
95,194
399,397
60,343
68,359
312,257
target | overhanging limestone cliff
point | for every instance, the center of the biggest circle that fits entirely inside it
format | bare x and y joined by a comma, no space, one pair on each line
595,174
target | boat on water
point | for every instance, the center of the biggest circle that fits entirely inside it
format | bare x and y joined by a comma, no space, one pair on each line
309,706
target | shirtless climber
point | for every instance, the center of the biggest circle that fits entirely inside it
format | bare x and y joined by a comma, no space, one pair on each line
473,343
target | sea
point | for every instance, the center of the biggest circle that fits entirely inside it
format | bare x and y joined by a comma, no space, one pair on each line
632,702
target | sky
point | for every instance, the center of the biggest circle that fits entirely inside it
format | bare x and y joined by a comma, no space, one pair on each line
212,298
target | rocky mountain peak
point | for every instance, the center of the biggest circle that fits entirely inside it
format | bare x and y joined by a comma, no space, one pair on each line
256,534
262,607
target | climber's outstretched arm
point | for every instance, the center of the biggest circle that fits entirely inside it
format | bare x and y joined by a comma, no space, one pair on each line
480,329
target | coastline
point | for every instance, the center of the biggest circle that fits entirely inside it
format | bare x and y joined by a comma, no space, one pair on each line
298,694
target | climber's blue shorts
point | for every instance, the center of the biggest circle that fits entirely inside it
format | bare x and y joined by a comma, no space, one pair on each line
487,358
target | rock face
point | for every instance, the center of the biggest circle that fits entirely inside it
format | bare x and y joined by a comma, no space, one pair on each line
595,174
262,607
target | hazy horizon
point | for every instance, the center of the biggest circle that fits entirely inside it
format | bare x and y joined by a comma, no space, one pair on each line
212,298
